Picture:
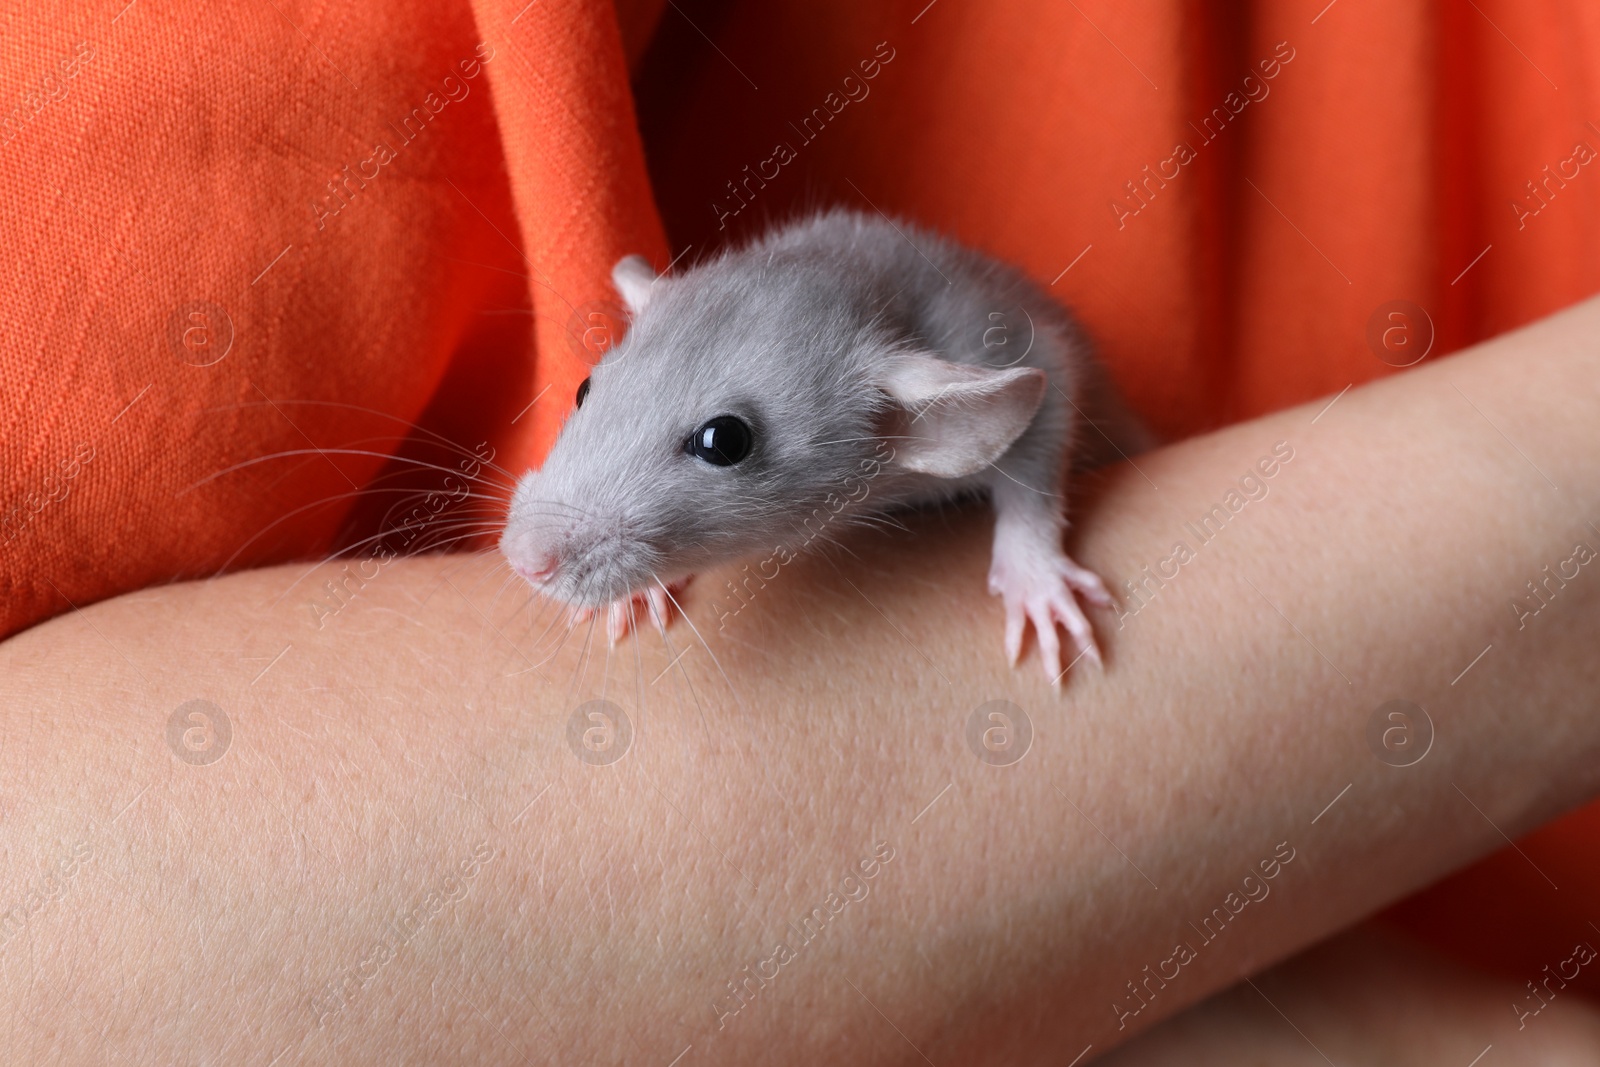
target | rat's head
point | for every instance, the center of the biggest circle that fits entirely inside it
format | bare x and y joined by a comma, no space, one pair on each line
743,407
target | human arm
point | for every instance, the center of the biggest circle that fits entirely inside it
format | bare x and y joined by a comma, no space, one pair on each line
372,757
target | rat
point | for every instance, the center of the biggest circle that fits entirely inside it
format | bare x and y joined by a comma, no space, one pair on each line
750,388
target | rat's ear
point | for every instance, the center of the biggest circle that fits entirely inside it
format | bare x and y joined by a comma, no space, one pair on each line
633,276
951,419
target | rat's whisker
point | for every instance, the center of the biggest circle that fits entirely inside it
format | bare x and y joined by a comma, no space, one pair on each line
506,579
414,462
703,644
638,679
861,440
434,546
580,668
546,502
434,435
428,542
312,452
676,659
287,516
487,511
558,614
504,486
331,558
223,567
1025,485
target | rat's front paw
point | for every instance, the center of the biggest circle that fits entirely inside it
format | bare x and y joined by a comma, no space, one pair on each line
1045,588
657,603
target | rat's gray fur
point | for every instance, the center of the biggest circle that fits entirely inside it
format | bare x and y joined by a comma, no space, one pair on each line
792,333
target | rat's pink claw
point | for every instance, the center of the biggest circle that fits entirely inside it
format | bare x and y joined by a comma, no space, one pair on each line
619,618
1016,628
1087,584
1045,591
654,603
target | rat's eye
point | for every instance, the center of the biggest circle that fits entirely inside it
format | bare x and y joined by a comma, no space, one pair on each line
583,391
724,441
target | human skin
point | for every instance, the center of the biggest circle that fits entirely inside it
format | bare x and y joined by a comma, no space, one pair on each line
425,725
1369,997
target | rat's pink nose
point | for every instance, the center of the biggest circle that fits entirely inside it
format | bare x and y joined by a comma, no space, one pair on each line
538,569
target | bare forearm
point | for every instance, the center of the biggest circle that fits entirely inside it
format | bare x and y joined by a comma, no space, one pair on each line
276,900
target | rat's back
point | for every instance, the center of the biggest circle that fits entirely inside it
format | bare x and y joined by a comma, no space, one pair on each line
928,291
962,305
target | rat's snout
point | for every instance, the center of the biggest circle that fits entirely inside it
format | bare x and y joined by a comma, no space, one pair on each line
536,569
532,540
566,552
533,548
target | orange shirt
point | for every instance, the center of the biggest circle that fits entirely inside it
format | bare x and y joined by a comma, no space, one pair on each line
247,254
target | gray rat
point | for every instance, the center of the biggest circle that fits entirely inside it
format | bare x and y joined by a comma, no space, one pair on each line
750,388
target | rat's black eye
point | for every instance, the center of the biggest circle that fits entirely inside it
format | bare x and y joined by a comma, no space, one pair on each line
724,441
583,391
